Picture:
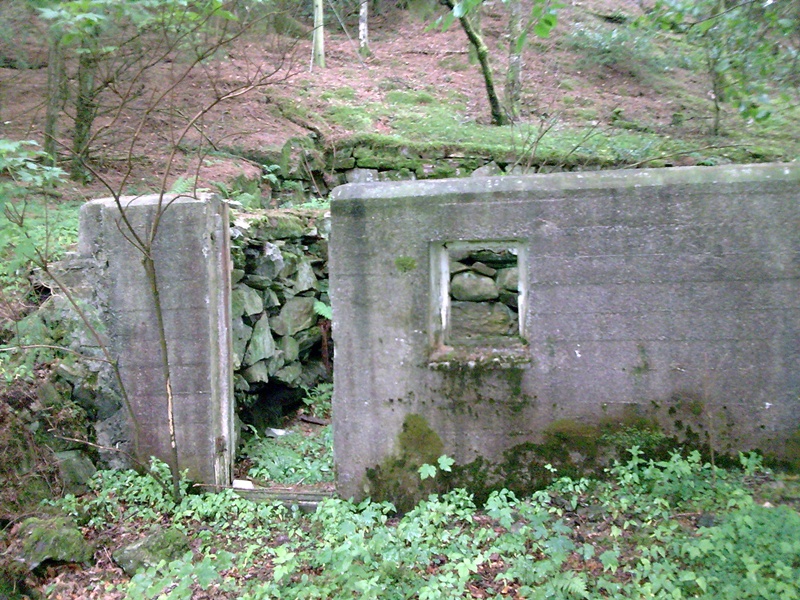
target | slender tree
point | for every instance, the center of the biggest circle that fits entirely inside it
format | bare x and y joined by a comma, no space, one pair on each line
318,40
750,49
363,28
56,92
462,13
185,37
541,21
513,88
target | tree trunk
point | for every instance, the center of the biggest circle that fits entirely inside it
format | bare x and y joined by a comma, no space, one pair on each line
318,52
477,26
474,37
363,28
514,72
717,93
85,110
56,88
174,465
713,48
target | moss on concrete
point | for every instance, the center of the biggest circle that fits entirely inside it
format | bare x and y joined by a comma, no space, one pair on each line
643,366
793,451
397,478
573,448
405,264
577,449
785,455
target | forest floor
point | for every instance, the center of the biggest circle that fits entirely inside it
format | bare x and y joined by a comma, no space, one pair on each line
585,77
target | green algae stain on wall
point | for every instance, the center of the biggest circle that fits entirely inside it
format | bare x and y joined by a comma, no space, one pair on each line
474,389
569,448
397,478
405,264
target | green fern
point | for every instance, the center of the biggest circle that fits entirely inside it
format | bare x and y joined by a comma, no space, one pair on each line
323,310
182,185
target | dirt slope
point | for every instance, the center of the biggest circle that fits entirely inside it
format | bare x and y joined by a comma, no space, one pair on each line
406,55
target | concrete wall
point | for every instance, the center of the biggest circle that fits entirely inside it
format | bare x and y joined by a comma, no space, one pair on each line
192,257
670,294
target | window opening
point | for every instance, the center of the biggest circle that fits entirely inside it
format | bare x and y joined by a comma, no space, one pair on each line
481,296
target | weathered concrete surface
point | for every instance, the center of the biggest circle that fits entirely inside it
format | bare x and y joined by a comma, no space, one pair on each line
192,257
672,294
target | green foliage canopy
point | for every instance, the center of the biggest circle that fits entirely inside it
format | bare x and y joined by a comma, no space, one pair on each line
750,50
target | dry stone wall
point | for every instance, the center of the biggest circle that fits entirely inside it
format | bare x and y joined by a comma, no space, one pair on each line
307,170
279,299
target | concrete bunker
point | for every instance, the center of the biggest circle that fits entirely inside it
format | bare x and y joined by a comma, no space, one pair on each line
664,297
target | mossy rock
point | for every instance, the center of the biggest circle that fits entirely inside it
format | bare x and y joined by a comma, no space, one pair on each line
367,158
436,170
76,469
52,539
279,225
28,472
300,158
157,545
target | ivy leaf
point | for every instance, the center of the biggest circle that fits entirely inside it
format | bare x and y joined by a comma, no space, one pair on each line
205,574
610,560
50,13
521,41
705,26
587,551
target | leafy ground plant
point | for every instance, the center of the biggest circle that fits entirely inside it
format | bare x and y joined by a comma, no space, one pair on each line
294,458
317,400
627,536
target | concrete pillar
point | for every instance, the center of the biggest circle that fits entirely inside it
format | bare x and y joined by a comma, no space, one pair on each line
192,257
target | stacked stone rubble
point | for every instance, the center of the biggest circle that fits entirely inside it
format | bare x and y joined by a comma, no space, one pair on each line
483,295
278,301
308,170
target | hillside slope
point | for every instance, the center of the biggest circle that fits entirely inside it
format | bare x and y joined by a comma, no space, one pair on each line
598,89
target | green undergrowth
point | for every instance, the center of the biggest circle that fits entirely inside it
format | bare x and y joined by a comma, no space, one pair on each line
34,232
42,227
33,229
294,458
674,528
301,454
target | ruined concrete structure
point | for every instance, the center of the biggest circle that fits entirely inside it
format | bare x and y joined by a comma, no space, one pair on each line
192,257
474,316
